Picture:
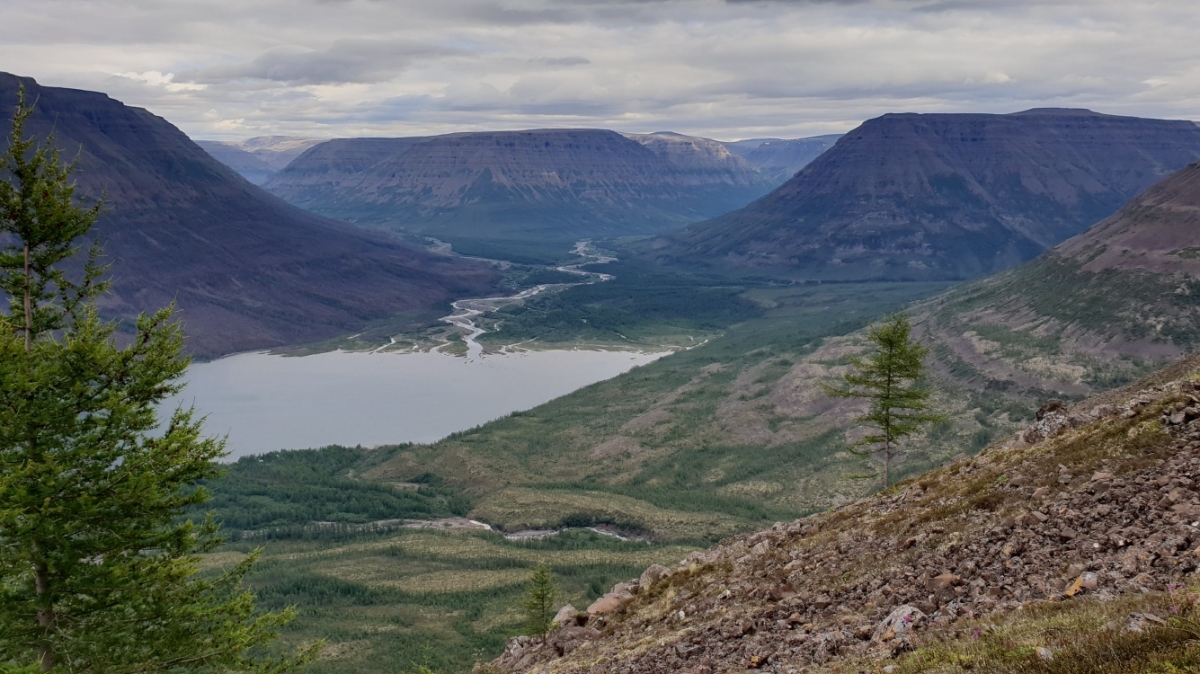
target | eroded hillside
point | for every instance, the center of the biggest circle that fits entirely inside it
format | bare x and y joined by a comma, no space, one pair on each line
1087,521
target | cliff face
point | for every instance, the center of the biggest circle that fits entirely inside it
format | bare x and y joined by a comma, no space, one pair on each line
946,196
554,183
246,269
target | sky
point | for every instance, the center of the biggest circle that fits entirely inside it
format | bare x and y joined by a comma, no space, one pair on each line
725,69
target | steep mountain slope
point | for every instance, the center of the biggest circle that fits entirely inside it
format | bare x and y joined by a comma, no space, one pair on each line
1096,306
780,159
257,159
561,184
1067,549
943,196
247,270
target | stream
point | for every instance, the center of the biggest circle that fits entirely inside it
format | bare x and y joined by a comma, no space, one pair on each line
466,311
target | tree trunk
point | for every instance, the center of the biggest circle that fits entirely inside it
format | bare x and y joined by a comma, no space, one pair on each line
887,464
28,302
45,614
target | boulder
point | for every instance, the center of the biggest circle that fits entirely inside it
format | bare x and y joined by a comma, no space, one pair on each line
652,575
606,604
566,615
899,624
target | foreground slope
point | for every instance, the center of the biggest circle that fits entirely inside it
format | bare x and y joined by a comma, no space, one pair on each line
246,269
560,184
943,196
1068,545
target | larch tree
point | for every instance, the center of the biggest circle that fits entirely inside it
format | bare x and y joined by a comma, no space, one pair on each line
540,594
891,380
98,564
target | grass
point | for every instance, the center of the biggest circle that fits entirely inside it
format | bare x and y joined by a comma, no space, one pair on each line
1083,636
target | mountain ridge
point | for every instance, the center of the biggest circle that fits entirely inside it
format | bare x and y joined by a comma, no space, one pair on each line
910,196
559,183
246,269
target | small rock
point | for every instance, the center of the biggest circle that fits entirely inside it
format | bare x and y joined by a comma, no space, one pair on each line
652,575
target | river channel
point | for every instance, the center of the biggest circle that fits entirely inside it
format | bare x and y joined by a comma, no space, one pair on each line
265,402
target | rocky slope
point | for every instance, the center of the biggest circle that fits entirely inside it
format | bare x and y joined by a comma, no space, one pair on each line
246,269
943,196
561,184
780,159
257,159
1068,543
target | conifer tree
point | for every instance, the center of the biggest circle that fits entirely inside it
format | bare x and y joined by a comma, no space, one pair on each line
539,602
98,568
891,380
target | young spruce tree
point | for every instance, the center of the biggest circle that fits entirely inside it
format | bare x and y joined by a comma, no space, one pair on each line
98,568
891,380
539,602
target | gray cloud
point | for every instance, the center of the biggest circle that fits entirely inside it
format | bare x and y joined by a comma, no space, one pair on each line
723,68
346,61
565,61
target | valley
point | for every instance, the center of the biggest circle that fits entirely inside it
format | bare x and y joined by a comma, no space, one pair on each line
442,361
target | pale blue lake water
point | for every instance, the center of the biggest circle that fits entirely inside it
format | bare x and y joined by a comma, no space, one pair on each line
267,402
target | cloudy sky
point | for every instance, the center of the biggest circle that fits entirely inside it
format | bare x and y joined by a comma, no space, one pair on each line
726,69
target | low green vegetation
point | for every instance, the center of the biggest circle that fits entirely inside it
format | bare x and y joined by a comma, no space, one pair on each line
1086,635
639,305
387,602
282,493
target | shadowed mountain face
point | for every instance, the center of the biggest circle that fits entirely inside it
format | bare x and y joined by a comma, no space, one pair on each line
945,196
247,270
780,159
1126,288
548,184
257,159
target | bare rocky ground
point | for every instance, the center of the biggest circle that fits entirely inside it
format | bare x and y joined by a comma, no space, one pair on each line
1089,504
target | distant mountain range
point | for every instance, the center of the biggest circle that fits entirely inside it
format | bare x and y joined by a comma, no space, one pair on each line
779,158
257,159
942,196
246,269
559,184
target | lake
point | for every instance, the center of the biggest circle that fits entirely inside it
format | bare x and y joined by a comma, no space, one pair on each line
267,402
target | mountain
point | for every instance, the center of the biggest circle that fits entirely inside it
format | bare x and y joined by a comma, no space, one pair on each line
257,159
780,159
1123,293
943,196
1072,552
247,270
560,184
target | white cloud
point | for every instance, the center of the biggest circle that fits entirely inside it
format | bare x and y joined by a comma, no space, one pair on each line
727,69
